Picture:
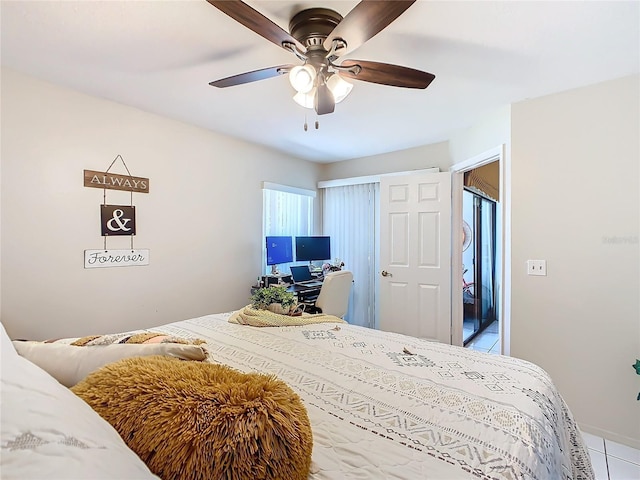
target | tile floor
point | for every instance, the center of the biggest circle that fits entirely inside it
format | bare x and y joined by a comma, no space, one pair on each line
487,341
611,460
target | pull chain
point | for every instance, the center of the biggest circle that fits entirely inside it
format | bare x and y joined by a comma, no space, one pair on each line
306,126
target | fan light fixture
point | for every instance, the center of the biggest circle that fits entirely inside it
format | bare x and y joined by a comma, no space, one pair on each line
339,87
319,37
303,79
305,100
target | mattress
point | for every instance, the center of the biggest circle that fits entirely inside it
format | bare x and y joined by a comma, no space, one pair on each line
388,406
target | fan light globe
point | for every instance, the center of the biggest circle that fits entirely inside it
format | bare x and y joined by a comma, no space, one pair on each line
339,87
302,78
305,100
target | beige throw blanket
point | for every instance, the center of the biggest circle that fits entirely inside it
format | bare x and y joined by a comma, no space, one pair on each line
265,318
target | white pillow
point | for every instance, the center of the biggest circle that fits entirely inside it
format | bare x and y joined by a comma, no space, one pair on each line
69,364
49,433
5,344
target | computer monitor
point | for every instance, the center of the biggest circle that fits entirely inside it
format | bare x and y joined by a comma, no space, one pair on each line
279,250
309,249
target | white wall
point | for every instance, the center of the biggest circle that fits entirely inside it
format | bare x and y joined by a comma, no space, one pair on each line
575,203
427,156
493,130
202,219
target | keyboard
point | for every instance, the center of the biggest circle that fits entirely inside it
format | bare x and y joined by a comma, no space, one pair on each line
310,283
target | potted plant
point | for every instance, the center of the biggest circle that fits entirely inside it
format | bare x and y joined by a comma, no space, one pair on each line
275,299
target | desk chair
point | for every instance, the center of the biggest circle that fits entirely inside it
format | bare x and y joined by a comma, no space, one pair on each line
333,298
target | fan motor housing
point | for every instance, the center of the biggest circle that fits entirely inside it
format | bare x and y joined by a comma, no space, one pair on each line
313,25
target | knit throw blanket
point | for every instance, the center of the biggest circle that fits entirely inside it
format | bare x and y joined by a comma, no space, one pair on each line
266,318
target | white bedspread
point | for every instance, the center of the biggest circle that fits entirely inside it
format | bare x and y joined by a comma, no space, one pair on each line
388,406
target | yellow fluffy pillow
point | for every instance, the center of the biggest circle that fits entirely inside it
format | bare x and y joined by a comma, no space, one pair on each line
201,421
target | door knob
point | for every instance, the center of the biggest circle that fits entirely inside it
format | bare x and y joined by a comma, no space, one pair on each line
386,274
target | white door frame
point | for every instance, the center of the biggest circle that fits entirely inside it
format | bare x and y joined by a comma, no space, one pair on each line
504,294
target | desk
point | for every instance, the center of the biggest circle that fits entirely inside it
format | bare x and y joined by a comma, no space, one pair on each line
305,293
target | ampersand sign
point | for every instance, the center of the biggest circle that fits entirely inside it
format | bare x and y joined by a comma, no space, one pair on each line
118,220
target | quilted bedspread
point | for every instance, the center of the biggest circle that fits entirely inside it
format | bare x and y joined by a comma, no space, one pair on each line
389,406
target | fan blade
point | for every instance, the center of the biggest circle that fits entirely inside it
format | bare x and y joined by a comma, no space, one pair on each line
366,20
254,20
324,101
254,76
387,74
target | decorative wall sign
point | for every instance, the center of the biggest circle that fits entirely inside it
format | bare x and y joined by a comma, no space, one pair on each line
117,220
113,181
115,258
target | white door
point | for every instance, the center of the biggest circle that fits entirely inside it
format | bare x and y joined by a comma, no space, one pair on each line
415,255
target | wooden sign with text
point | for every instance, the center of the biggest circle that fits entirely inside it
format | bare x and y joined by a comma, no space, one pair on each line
113,181
117,220
115,258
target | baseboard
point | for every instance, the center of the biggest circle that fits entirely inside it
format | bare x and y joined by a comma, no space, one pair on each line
607,435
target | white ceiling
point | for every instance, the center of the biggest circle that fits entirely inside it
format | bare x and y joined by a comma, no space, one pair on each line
159,56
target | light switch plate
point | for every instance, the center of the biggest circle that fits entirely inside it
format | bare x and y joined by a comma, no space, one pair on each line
537,267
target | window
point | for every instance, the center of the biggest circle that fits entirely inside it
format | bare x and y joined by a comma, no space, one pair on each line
287,211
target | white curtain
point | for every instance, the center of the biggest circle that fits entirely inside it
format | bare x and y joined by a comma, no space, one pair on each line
285,214
350,217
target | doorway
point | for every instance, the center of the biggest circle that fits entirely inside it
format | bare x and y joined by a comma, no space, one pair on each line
479,267
497,156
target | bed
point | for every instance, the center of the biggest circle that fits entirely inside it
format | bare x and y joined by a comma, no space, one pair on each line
387,406
380,405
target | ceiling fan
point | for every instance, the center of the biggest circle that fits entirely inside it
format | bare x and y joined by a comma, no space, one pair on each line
319,37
